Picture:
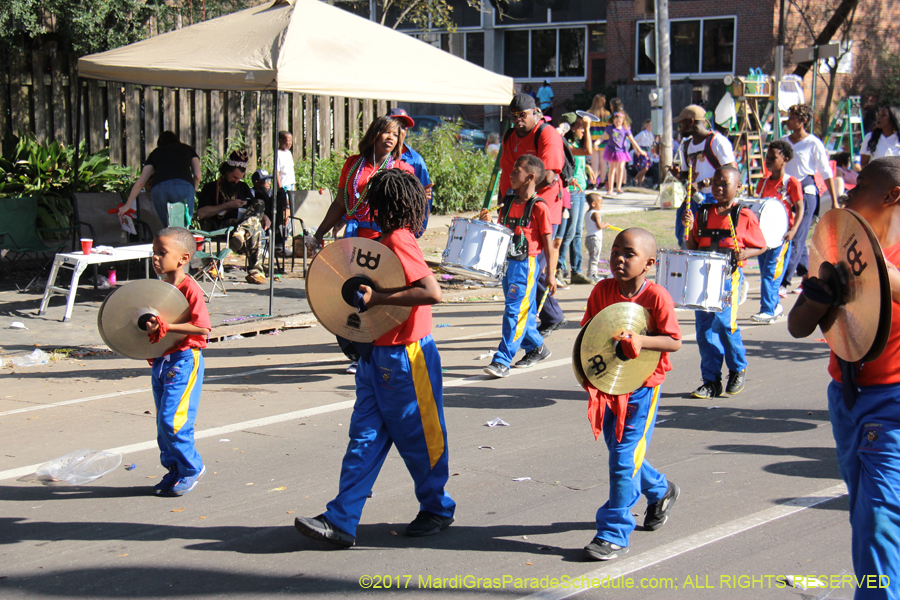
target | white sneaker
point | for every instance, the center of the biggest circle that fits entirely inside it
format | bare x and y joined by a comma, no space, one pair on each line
766,317
745,288
351,370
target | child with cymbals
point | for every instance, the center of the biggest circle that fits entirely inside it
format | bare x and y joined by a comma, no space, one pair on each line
628,424
177,376
399,386
528,216
864,398
727,228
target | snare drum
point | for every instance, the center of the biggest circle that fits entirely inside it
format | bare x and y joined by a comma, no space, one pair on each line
694,279
476,249
773,219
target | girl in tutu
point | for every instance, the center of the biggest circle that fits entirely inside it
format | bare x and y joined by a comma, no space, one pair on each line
616,154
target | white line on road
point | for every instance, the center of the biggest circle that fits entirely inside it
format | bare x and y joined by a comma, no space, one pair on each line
693,542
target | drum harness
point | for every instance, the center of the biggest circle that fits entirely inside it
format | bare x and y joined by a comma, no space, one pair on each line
518,247
717,235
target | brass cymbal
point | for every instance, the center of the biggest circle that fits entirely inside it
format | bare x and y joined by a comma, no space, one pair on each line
605,368
846,254
122,313
583,113
576,359
336,273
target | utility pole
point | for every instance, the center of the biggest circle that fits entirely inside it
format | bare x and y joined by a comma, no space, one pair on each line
779,67
665,82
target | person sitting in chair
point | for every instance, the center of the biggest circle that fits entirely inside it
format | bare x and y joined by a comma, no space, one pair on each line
262,188
228,202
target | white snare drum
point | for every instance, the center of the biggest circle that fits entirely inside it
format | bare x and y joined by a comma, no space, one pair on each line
694,279
476,249
773,219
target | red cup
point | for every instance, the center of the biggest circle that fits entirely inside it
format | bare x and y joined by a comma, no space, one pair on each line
199,239
86,245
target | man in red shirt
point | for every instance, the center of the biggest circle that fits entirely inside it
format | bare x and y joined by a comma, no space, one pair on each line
529,137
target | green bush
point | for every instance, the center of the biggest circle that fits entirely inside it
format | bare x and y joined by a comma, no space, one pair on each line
44,171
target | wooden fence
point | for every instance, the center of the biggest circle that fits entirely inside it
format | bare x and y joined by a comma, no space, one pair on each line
37,96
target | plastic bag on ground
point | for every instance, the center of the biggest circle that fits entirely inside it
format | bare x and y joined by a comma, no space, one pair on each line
79,467
37,357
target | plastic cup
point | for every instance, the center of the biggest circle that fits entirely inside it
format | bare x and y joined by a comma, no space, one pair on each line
199,239
86,245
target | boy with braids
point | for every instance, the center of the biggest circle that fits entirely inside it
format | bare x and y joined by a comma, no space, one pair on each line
528,216
399,387
864,398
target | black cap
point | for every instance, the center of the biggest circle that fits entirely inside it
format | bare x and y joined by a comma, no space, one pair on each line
260,175
522,101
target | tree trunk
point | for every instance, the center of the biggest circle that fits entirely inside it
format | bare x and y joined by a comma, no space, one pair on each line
834,23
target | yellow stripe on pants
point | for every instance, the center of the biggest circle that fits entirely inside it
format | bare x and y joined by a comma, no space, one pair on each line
185,403
428,411
525,306
641,449
779,266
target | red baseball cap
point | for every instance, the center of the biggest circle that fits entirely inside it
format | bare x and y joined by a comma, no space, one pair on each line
400,115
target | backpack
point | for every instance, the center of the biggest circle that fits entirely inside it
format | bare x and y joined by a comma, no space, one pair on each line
717,235
567,173
707,151
518,246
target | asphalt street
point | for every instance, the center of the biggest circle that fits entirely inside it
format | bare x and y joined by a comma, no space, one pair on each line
761,495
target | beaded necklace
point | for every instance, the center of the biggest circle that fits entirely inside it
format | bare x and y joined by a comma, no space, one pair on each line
359,200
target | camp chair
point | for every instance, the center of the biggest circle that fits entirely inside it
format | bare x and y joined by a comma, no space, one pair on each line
311,205
212,263
21,237
178,215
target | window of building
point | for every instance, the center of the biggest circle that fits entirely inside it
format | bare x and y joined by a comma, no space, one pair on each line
566,11
698,47
475,47
464,44
463,14
522,12
545,53
597,38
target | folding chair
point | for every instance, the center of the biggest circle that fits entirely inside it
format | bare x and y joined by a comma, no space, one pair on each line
178,215
311,205
19,234
212,264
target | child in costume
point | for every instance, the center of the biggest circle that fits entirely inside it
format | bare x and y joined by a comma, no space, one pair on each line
527,215
616,153
627,421
177,376
399,388
864,398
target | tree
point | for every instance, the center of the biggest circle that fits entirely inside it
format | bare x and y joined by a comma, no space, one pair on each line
424,14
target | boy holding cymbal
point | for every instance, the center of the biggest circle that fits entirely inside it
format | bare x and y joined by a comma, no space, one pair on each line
628,424
864,398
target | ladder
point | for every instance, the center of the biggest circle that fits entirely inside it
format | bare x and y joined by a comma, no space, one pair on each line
845,129
747,139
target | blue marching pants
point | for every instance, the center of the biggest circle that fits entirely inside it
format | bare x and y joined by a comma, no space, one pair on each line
868,452
177,380
799,262
551,314
399,400
630,475
772,264
716,342
520,312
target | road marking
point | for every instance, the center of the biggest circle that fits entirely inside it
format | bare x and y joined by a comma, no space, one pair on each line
627,566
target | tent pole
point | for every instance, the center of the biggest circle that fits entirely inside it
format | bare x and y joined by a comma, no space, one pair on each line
77,133
315,135
274,209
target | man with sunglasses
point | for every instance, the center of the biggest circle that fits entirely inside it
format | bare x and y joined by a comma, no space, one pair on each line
527,137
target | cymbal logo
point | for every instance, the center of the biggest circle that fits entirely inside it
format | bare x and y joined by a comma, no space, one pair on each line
353,321
367,261
598,365
854,258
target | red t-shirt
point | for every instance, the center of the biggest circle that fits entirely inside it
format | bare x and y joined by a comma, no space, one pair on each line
199,315
539,225
884,369
748,232
656,299
774,188
362,213
403,243
551,153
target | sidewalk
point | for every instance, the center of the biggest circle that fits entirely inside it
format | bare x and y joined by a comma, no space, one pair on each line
243,310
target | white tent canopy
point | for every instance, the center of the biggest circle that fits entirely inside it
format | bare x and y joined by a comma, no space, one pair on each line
303,46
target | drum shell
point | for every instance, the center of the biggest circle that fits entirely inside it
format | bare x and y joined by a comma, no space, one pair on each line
694,279
773,219
476,249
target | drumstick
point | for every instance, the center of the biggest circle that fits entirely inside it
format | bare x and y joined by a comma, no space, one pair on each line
544,299
614,228
687,233
735,277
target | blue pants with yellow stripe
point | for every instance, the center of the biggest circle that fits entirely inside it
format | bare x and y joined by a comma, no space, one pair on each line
772,264
177,380
867,437
520,314
399,400
717,342
630,475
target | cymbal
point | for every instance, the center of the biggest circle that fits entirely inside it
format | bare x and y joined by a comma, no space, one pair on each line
591,116
846,254
605,367
336,273
576,359
123,312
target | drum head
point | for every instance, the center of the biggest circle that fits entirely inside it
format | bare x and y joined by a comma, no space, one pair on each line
773,220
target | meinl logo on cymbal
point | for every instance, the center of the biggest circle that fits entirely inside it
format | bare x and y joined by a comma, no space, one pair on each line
366,261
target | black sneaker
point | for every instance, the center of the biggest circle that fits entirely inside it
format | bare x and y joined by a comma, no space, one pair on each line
497,370
658,513
535,356
735,382
320,528
602,550
546,330
427,523
709,389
